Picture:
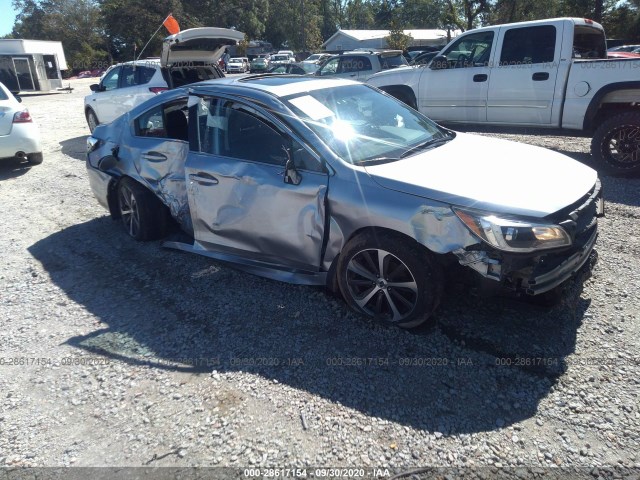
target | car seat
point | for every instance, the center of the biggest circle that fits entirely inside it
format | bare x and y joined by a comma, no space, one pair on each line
177,126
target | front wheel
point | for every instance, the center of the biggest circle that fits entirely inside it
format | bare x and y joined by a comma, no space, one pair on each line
142,214
616,144
92,120
391,278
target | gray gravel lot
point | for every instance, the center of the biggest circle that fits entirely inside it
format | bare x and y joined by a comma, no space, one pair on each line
130,355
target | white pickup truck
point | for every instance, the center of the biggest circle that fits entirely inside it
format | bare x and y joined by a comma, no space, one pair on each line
548,73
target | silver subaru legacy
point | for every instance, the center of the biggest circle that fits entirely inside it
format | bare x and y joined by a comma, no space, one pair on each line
332,182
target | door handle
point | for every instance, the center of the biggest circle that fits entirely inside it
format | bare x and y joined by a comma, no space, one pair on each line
154,156
203,178
352,75
481,77
540,76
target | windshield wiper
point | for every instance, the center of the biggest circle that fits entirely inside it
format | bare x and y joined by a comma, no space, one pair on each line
376,160
429,143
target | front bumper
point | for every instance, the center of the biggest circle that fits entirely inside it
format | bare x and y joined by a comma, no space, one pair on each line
537,273
544,279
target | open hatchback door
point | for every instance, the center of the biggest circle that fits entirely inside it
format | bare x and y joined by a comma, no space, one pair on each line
192,55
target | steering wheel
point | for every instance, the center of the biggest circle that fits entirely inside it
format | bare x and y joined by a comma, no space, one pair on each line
462,61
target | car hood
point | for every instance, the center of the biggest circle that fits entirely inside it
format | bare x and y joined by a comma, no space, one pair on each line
490,174
205,44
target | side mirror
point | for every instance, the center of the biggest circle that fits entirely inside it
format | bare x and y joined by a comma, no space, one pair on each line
107,163
439,62
291,174
95,87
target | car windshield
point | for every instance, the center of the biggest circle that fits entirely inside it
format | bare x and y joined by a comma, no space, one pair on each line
235,60
281,57
363,126
308,67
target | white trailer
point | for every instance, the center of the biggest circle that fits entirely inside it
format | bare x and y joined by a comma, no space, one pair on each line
31,65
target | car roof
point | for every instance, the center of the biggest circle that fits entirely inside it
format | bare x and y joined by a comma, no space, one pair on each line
278,85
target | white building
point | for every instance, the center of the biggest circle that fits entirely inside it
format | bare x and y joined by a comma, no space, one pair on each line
344,40
31,65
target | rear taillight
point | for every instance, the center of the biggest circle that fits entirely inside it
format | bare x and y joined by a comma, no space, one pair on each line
22,117
157,90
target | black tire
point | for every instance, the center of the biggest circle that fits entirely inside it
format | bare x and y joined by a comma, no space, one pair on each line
405,97
143,216
35,158
616,144
92,119
409,289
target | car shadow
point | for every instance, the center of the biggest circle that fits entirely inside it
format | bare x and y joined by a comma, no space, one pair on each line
13,168
75,147
185,313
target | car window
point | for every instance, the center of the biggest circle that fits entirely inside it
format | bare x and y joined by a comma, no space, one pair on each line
235,130
169,120
331,67
145,74
355,64
472,50
589,42
523,46
127,77
110,80
391,61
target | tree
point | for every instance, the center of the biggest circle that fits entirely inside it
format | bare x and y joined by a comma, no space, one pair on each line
134,22
464,14
397,39
75,23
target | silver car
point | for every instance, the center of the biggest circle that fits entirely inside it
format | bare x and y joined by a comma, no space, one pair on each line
332,182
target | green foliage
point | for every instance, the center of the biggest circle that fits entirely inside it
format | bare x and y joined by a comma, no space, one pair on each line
100,31
397,39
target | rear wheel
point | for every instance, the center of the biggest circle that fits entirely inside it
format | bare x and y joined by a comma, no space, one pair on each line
616,144
143,216
92,120
35,158
390,278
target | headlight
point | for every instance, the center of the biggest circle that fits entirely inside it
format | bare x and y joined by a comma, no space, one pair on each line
513,235
92,143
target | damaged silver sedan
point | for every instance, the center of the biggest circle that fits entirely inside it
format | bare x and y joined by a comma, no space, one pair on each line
332,182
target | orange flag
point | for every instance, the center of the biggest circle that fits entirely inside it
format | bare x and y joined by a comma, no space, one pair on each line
171,24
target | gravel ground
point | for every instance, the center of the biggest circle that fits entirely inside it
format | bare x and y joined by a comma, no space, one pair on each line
133,355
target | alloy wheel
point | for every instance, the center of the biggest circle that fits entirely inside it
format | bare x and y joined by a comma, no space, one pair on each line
129,211
381,284
624,145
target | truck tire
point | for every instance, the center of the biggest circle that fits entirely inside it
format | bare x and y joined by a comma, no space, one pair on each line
406,97
616,144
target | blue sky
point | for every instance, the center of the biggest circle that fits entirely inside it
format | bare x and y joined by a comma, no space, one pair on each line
7,17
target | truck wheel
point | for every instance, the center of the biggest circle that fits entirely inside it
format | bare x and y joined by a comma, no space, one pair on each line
616,144
390,278
404,96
